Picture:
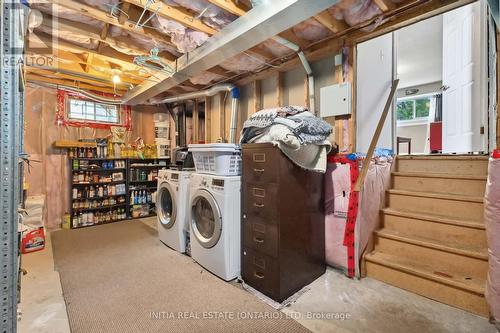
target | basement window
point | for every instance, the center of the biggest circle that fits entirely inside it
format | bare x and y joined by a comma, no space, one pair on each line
89,111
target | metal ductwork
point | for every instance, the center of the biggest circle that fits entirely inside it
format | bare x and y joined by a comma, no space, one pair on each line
265,20
307,68
227,87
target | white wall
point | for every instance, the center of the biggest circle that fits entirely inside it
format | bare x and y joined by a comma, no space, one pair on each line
420,52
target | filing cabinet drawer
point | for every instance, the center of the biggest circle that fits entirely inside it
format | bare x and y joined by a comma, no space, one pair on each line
261,272
260,200
261,236
261,165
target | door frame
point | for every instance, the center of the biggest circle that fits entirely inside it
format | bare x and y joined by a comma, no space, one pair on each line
486,140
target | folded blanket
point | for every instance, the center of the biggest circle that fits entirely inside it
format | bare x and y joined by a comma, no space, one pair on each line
300,135
304,125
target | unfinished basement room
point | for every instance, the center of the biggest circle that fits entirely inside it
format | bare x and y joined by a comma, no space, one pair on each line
260,166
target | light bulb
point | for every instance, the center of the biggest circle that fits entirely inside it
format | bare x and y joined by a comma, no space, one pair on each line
116,79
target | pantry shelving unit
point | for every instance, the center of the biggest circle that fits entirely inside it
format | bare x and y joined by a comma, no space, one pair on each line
143,182
89,168
136,179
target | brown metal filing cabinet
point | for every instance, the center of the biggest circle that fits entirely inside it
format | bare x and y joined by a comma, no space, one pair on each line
283,231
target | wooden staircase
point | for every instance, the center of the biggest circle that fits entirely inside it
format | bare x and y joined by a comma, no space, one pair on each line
433,239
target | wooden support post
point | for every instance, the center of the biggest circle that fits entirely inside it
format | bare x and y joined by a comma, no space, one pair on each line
352,79
208,119
196,122
376,136
279,89
257,99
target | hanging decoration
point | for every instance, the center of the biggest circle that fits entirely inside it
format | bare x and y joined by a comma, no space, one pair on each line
62,118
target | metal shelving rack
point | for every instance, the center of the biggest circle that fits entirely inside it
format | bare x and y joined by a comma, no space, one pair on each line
149,164
100,171
131,164
12,32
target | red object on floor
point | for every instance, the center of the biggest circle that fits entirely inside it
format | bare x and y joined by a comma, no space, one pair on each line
496,153
33,241
436,136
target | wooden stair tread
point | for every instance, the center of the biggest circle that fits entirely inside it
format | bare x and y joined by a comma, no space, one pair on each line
434,218
426,271
460,249
438,175
442,157
438,195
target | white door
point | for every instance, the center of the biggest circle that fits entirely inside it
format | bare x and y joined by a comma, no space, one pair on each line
374,76
462,102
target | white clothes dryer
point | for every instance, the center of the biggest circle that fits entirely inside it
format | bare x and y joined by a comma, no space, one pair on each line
172,208
215,223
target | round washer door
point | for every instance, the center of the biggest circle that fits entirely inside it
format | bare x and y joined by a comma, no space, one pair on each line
167,207
206,219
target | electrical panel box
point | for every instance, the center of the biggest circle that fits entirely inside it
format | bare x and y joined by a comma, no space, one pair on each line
335,100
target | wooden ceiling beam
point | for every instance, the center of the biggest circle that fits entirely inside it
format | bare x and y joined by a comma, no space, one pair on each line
100,35
124,13
105,17
290,36
42,79
109,55
77,71
331,23
176,14
221,71
231,6
385,5
58,75
69,61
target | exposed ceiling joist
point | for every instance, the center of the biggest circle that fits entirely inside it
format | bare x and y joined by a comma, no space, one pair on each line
259,24
72,62
107,18
99,35
385,5
330,23
43,79
124,12
110,55
62,74
176,14
220,71
231,6
290,36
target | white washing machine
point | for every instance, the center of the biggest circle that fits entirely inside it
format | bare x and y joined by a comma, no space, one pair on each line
172,208
215,223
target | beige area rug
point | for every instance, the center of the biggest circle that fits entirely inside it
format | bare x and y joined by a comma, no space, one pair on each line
120,278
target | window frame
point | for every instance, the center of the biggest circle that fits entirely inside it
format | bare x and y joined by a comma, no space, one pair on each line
415,120
124,113
95,121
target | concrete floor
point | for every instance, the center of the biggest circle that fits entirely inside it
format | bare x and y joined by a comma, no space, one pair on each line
42,304
337,304
373,306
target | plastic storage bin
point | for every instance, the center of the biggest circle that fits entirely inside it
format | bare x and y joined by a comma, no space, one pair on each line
221,159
